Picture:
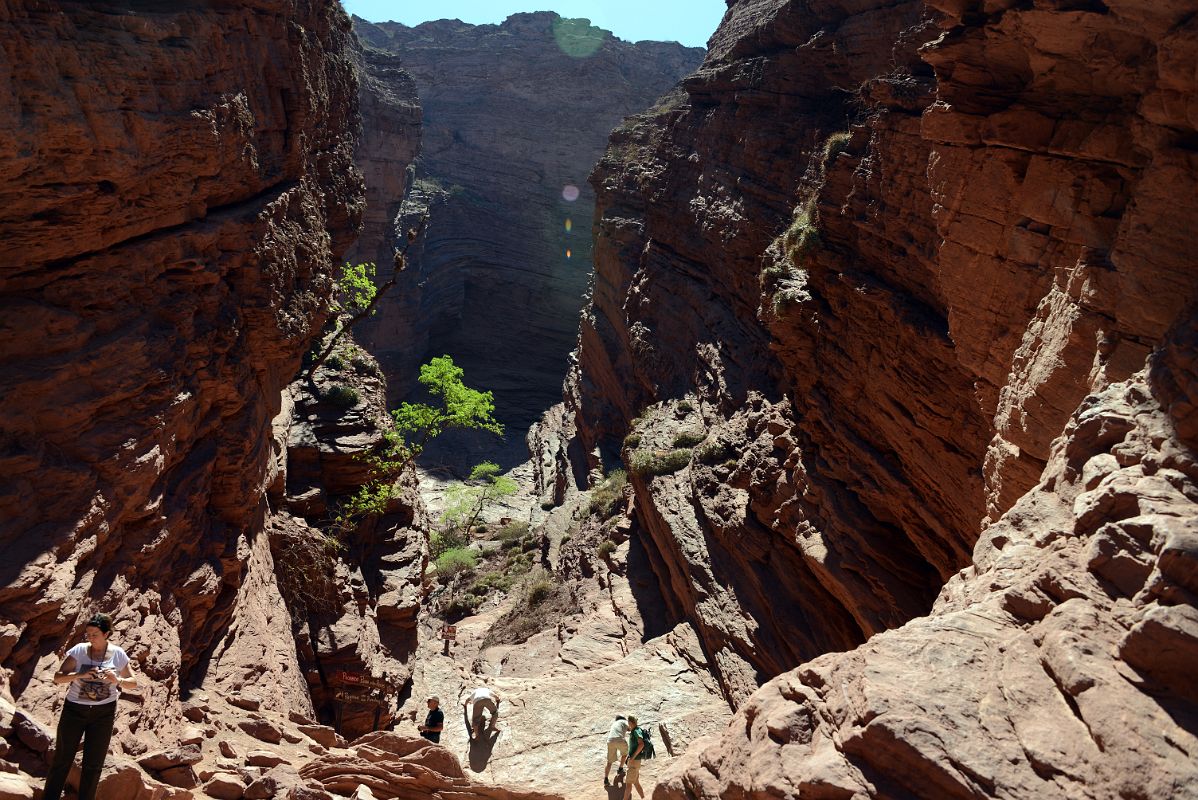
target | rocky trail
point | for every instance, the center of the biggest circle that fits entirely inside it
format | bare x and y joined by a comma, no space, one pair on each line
562,686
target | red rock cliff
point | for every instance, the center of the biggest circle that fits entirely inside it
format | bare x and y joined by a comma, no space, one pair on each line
178,181
851,286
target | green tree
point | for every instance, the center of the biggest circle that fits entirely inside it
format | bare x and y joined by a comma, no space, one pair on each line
357,295
464,502
456,406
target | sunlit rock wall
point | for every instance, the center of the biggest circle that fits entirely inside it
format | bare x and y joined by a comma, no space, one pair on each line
177,184
833,362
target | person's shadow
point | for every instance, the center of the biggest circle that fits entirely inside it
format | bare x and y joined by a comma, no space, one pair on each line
616,790
480,750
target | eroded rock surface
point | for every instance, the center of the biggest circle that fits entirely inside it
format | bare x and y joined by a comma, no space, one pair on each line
513,114
1051,666
835,342
177,187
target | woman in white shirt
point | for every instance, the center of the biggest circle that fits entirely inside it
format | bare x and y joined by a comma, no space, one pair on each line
96,670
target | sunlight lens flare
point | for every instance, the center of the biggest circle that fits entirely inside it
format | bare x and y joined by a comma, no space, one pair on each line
569,224
570,193
578,38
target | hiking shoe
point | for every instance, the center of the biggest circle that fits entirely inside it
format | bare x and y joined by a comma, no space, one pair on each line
606,782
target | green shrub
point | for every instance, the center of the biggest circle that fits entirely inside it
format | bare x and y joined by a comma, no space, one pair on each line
802,237
456,561
463,605
548,505
632,441
529,544
481,528
513,530
686,406
510,544
538,591
335,363
342,396
495,580
479,589
688,438
834,145
658,462
606,548
608,494
447,539
714,451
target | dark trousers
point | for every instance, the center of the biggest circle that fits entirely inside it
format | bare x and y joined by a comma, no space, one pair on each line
93,724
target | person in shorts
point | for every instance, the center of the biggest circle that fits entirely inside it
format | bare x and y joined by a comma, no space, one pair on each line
617,748
636,745
483,699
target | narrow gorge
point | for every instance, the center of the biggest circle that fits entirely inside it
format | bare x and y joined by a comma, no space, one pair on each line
514,117
858,356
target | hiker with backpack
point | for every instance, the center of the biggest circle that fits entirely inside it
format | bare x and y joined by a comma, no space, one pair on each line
617,748
640,747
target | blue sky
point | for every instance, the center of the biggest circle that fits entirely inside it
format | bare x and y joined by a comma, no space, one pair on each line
688,21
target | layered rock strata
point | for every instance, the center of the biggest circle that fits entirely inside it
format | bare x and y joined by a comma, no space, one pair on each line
353,587
386,153
851,285
177,188
784,525
1057,664
514,115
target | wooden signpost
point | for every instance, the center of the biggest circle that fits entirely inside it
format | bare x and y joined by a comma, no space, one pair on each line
357,688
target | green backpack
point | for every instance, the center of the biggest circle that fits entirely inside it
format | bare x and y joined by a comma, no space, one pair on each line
647,749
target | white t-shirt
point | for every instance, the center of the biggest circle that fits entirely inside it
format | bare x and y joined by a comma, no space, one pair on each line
95,693
483,693
619,729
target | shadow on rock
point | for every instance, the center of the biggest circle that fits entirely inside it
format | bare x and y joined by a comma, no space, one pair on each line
480,750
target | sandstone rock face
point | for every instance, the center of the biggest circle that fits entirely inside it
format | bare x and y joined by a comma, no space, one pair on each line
794,527
177,186
389,765
833,355
513,114
1051,666
353,593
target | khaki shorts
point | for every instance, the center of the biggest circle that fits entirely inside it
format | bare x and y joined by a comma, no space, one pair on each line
634,770
616,749
476,713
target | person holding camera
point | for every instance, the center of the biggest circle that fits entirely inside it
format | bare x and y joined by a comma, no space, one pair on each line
96,670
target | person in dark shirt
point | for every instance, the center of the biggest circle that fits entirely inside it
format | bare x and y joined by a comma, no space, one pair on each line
434,722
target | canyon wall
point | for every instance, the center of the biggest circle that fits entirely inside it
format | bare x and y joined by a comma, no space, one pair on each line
513,115
178,183
881,279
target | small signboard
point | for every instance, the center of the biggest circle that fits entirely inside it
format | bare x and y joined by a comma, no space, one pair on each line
362,680
449,632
